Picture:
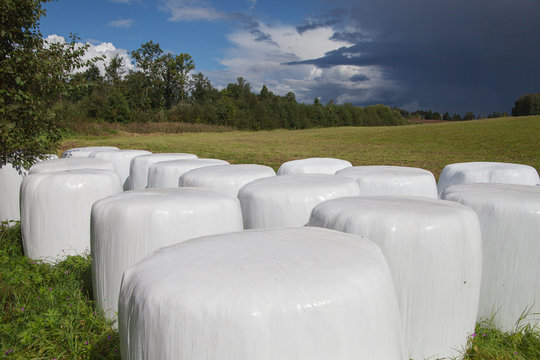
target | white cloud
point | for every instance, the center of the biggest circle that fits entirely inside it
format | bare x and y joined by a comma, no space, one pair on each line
122,1
265,62
105,49
121,23
191,10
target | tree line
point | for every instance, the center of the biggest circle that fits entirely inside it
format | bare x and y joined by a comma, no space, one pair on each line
162,88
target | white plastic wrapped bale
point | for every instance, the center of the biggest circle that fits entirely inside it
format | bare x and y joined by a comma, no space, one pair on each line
487,172
392,180
121,160
433,249
313,166
86,151
297,293
10,183
510,222
10,186
55,210
227,179
167,173
127,227
138,173
71,164
287,200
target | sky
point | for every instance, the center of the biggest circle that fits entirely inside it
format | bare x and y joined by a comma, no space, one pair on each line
455,56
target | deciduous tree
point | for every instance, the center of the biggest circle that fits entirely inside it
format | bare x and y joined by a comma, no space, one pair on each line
33,76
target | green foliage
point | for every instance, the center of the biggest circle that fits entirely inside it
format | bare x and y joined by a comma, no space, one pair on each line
527,105
33,77
488,343
47,311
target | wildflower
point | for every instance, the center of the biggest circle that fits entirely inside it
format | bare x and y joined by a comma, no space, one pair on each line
86,343
67,272
473,335
484,335
22,308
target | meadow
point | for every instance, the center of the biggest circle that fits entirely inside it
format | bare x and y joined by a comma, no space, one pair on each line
47,312
428,146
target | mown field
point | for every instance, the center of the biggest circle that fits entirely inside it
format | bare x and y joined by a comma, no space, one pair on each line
429,146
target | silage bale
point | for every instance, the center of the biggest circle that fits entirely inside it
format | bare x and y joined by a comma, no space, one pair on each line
298,293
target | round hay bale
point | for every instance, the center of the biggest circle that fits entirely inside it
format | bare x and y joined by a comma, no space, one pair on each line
55,210
313,166
433,249
287,200
300,293
227,179
71,163
86,151
127,227
138,173
167,173
392,181
487,172
510,221
121,160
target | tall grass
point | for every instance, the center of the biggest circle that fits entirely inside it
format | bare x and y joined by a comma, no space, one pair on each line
47,312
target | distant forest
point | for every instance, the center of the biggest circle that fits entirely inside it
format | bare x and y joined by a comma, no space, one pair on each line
165,88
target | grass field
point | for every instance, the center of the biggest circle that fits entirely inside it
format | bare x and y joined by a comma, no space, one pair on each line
428,146
47,312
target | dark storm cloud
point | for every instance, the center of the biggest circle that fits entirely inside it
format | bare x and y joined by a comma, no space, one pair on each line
331,18
359,78
463,55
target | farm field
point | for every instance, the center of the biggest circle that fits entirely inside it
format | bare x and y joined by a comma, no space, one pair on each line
428,146
48,311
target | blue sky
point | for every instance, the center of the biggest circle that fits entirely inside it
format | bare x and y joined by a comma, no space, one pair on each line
456,56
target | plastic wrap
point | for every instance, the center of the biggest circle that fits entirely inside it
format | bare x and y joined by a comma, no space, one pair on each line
138,173
121,160
86,151
227,179
167,173
487,172
392,181
510,222
71,164
55,210
287,200
10,183
270,294
10,186
127,227
433,248
313,166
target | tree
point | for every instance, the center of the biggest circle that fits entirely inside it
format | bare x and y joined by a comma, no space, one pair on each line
33,77
527,105
114,70
201,88
148,59
175,71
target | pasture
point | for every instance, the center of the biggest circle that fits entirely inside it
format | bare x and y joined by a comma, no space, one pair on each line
428,146
48,311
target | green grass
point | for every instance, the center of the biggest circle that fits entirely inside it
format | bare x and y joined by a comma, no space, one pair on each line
428,146
46,311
